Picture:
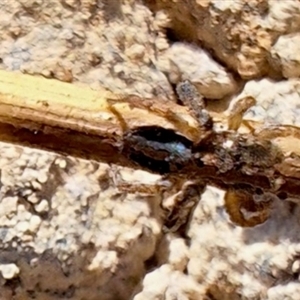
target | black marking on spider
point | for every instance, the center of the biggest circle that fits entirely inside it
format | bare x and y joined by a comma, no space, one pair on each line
157,149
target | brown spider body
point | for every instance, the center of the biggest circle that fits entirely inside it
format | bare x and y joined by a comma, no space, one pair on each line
241,164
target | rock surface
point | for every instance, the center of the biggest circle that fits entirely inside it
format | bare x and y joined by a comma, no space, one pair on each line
66,231
242,34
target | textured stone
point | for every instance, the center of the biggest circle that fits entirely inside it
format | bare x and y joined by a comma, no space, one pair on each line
194,64
64,219
285,54
9,271
240,33
113,223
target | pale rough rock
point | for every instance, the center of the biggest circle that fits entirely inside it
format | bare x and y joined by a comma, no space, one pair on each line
286,51
240,33
169,280
229,261
170,284
113,45
9,271
277,102
63,219
256,261
194,64
289,291
84,224
130,54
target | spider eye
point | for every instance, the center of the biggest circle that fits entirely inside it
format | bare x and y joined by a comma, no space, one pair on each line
259,191
282,195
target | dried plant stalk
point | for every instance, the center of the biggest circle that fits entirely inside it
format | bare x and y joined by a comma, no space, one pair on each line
69,119
148,133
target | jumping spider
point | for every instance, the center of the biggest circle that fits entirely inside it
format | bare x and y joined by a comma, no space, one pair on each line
170,154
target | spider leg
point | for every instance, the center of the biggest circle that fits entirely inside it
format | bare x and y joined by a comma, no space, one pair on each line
135,186
190,97
181,206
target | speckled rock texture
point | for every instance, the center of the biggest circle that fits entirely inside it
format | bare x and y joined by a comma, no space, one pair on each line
59,216
66,231
248,36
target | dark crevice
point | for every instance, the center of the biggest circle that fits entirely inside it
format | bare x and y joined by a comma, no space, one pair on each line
172,36
157,149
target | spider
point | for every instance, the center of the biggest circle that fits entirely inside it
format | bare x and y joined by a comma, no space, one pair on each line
242,165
